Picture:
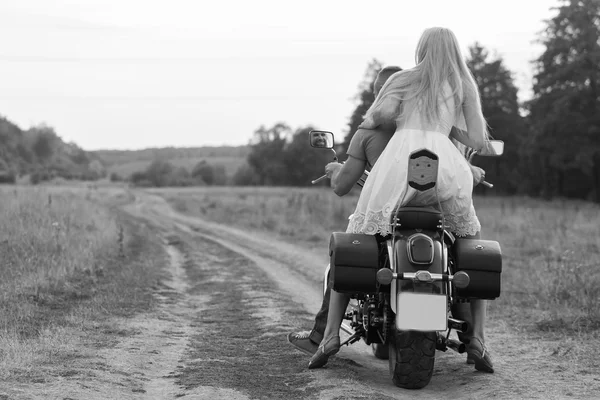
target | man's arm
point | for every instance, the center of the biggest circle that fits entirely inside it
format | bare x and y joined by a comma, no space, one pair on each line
344,176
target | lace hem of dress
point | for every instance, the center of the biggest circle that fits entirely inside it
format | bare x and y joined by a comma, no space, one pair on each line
371,223
376,222
462,226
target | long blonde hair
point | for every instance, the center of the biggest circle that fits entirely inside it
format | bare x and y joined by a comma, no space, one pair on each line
439,62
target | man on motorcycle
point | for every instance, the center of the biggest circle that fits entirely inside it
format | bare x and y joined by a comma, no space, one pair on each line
363,151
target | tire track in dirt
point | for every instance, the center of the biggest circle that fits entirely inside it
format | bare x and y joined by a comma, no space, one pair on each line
148,358
237,346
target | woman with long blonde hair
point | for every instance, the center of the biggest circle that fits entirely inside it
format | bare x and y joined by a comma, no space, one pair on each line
425,102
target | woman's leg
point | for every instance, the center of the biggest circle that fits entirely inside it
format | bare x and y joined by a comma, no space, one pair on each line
331,338
476,347
478,309
337,308
464,310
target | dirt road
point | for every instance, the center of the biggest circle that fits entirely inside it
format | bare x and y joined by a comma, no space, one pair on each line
233,295
256,289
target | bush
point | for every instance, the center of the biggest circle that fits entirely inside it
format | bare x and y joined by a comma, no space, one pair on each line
114,177
8,177
246,176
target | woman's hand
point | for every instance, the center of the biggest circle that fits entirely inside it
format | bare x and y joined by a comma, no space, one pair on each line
332,169
368,123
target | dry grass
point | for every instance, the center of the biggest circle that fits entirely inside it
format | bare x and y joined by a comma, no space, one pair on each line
307,215
66,265
552,259
551,250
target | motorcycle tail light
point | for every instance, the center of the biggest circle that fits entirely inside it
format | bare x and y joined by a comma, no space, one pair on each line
420,249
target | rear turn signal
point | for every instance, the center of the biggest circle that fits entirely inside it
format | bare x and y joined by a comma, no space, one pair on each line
460,280
385,276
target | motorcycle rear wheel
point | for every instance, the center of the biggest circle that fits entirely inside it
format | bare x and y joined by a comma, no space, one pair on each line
411,358
381,351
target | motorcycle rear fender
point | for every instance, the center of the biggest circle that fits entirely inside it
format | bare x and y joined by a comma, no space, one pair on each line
399,262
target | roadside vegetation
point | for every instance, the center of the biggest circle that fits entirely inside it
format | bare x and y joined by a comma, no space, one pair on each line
67,265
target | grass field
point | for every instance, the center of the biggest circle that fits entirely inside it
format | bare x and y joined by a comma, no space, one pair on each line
67,263
551,250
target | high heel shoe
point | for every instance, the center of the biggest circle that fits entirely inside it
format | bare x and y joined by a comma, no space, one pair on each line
478,352
326,349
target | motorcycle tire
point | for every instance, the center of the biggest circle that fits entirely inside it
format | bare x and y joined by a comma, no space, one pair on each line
381,351
411,358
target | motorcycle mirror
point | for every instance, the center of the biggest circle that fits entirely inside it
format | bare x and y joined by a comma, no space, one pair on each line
494,148
321,139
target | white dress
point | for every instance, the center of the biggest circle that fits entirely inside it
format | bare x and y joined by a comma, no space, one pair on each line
387,184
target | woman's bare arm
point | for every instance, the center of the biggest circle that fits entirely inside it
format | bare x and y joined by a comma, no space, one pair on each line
463,137
475,136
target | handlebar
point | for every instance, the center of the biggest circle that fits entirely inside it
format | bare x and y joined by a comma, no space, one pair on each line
319,179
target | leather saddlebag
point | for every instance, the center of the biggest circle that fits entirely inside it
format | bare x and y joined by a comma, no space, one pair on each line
482,260
354,262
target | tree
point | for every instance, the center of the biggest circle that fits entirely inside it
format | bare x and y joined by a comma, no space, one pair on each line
364,99
204,172
220,175
43,144
564,110
97,169
501,110
114,177
266,156
159,173
245,176
302,162
25,153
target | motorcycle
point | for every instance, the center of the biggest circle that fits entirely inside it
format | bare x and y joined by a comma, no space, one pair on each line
405,287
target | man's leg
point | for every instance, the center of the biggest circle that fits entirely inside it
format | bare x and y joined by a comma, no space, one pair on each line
308,341
316,335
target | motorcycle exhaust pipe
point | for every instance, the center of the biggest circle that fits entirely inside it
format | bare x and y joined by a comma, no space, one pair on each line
456,345
458,325
347,328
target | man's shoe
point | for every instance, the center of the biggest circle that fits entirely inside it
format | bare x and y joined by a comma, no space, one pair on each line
326,349
301,341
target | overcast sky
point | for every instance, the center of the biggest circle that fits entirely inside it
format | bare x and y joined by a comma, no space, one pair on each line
130,74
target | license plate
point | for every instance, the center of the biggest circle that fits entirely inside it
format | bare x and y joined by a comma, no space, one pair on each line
421,312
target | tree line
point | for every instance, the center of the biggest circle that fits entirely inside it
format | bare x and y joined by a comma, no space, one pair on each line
278,157
162,173
42,155
552,141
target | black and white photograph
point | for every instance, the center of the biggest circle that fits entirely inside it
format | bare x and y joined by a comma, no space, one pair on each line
322,200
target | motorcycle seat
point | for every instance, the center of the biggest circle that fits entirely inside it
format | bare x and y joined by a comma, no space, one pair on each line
418,218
